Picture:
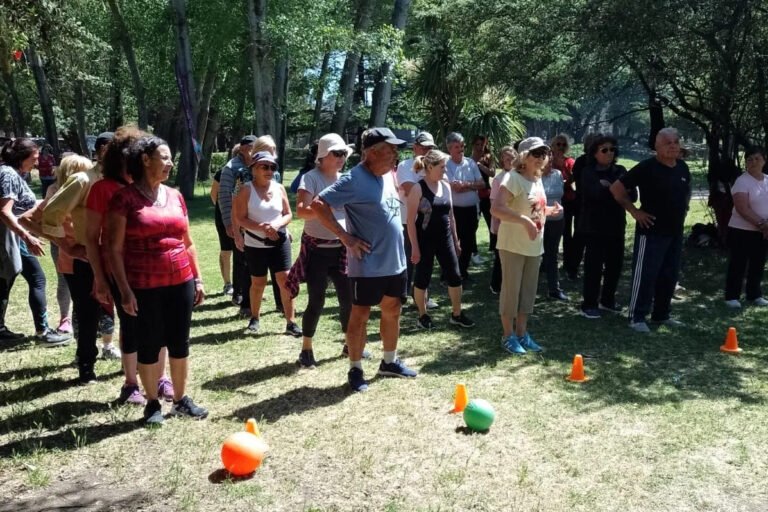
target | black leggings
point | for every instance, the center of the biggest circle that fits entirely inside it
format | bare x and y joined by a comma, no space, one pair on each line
87,310
164,319
440,246
324,264
466,229
35,277
747,256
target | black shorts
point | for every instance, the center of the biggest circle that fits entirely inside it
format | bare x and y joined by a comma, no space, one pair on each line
368,291
260,259
226,243
164,319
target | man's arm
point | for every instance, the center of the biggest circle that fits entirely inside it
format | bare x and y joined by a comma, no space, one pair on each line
226,185
324,214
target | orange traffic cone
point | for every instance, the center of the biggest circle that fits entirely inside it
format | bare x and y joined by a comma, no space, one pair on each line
252,427
577,370
731,342
460,399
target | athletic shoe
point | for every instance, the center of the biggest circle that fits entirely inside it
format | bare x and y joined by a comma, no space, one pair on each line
165,389
431,304
86,375
477,260
462,320
130,394
558,295
228,289
395,369
615,308
65,326
345,352
513,346
670,322
244,313
253,326
236,299
293,330
640,327
735,304
153,414
307,359
8,335
495,292
186,407
50,338
356,380
760,302
425,322
110,352
591,313
529,345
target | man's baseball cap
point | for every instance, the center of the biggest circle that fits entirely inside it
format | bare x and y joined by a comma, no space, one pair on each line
248,139
103,139
375,135
263,157
426,140
531,143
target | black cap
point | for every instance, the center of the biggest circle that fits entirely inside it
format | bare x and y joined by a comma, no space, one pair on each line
103,139
375,135
248,139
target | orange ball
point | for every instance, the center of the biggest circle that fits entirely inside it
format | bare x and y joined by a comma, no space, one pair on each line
242,453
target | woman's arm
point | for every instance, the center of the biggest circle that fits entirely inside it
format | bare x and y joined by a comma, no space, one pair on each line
741,203
500,209
116,227
215,191
7,217
93,250
413,198
287,214
192,255
304,205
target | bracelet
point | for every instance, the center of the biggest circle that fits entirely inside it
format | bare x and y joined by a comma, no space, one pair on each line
198,281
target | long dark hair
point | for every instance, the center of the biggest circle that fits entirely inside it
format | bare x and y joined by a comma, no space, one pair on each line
599,141
115,157
16,151
142,146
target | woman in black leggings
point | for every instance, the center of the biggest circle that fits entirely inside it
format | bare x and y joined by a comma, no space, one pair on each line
432,232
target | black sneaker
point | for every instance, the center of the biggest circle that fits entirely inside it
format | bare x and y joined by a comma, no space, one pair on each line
244,312
395,369
186,407
86,375
356,380
615,308
558,295
253,326
293,330
366,352
307,359
425,322
8,335
153,414
591,313
462,320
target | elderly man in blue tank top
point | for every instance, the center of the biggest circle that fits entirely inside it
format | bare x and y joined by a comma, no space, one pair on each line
375,248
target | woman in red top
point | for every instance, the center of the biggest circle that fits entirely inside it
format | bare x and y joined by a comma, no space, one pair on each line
154,263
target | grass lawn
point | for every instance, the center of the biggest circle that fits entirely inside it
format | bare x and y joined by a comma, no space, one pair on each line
666,423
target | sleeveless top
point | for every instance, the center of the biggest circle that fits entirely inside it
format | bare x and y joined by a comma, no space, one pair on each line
260,210
434,214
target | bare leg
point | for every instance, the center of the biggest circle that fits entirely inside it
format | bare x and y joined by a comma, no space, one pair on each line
420,297
257,292
225,265
285,296
506,325
356,331
454,292
178,377
522,323
390,322
150,375
161,360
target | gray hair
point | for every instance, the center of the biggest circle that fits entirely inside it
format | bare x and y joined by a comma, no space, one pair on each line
454,137
668,131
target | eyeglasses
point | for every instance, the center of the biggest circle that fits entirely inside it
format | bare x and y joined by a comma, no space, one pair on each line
267,167
608,150
338,153
561,145
539,153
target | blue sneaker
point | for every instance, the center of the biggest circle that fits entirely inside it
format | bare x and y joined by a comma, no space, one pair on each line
395,369
513,346
357,380
528,344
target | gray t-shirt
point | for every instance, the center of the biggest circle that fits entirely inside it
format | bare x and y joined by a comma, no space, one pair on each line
467,170
13,186
553,188
315,182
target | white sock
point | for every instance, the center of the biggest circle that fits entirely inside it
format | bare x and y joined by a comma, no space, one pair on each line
356,364
389,357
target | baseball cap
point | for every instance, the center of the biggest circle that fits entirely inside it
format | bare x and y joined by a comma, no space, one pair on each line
531,143
103,139
248,139
263,157
375,135
331,142
425,139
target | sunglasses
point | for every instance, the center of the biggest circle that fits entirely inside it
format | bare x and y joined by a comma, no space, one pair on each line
561,145
268,167
608,150
338,153
539,153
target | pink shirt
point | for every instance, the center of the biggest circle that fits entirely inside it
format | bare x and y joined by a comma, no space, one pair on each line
757,195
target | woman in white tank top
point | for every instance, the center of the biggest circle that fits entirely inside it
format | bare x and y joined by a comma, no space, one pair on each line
262,211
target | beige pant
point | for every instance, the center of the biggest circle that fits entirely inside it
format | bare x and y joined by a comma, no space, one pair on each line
519,282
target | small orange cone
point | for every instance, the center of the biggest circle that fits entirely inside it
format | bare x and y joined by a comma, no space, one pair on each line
577,370
252,427
460,399
731,342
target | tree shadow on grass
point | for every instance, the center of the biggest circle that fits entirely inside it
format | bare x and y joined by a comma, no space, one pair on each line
69,439
54,416
34,390
250,377
295,401
217,338
81,496
31,372
16,345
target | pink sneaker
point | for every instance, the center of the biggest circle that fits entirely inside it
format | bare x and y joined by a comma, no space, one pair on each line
165,389
65,326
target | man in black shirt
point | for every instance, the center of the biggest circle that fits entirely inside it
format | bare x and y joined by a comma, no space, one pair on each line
664,183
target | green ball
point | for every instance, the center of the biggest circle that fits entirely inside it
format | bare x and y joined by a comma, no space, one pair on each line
479,415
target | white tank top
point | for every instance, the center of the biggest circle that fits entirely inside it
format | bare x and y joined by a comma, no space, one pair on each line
260,211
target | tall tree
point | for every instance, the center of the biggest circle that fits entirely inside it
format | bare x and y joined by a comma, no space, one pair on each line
44,95
382,92
260,67
124,36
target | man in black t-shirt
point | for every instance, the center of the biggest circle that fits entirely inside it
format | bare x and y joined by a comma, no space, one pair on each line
664,183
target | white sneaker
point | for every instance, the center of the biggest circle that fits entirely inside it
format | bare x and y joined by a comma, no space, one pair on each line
431,304
477,259
110,352
760,302
735,304
640,327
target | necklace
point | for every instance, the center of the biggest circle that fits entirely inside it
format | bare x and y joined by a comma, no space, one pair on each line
153,198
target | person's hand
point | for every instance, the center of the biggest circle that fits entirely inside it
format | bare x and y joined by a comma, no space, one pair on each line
530,227
356,247
199,293
554,210
645,219
457,186
239,242
129,302
230,231
34,245
415,255
101,292
457,246
605,183
78,252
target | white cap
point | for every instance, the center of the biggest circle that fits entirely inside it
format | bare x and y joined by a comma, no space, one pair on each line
331,142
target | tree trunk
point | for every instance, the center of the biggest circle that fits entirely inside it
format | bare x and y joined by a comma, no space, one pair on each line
382,91
209,141
80,118
209,85
130,57
44,95
319,97
262,72
347,82
17,113
115,93
358,97
656,112
184,75
281,114
238,128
